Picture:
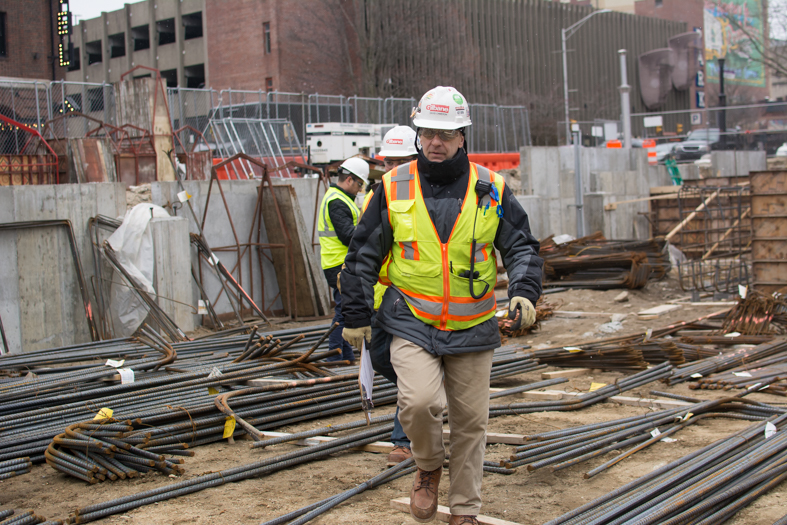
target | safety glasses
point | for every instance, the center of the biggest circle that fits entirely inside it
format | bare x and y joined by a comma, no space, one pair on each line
445,135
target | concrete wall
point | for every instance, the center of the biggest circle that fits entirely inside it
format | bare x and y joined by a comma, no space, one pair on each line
608,175
40,301
241,198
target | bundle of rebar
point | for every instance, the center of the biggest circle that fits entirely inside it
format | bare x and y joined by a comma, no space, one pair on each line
564,448
758,313
22,517
596,263
705,487
15,467
770,372
726,361
95,452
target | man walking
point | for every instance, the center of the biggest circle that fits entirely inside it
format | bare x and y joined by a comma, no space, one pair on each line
336,224
438,221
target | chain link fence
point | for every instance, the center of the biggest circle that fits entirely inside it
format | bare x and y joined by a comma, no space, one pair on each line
495,128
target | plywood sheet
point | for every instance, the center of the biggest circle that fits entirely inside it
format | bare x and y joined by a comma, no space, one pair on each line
306,286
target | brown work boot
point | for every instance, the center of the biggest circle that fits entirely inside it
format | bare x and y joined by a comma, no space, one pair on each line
423,496
399,454
462,520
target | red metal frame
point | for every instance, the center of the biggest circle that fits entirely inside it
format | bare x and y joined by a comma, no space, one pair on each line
46,165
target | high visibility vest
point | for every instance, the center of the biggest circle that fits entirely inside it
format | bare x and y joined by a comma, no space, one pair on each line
426,271
379,287
332,251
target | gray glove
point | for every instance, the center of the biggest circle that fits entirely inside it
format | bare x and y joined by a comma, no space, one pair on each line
528,312
355,336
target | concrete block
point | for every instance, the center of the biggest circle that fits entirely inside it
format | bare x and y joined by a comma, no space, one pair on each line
172,277
537,215
595,216
566,184
737,163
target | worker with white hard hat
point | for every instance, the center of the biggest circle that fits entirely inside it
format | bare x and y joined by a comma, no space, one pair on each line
398,148
437,223
336,223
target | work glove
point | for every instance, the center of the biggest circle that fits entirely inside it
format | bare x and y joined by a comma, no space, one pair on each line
528,315
355,336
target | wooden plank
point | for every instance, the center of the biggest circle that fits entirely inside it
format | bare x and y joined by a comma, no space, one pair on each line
567,314
571,372
494,437
691,216
638,401
549,395
378,447
614,205
444,513
658,311
303,291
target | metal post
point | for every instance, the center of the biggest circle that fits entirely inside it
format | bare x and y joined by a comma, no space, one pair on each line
625,103
565,84
722,116
578,184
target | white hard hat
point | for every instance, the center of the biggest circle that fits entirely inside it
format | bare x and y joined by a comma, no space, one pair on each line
399,142
442,108
357,167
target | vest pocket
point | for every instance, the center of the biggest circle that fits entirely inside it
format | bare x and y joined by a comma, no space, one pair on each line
403,219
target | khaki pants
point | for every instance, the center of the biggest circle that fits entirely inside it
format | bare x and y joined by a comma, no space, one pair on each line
421,402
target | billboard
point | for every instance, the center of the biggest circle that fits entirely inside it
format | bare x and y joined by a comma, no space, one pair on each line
729,26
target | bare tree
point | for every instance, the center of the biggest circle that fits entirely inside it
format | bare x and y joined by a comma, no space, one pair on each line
764,43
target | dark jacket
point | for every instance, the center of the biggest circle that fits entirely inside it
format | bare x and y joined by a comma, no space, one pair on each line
342,219
444,186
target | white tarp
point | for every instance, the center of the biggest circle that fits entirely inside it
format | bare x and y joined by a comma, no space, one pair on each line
133,245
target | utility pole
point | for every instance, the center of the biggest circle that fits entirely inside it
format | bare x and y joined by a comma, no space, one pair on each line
625,103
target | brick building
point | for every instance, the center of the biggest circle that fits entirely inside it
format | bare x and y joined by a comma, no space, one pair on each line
28,41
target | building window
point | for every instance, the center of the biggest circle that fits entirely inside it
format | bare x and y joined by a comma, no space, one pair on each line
659,3
166,31
269,84
195,76
95,99
266,37
3,49
170,76
93,50
192,23
117,45
141,36
74,59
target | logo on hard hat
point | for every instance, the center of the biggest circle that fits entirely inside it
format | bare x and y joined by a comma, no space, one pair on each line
438,108
458,99
460,110
429,96
394,141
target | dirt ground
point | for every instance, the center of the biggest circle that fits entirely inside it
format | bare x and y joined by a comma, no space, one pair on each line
525,498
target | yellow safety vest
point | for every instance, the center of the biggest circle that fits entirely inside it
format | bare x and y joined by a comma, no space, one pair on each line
379,287
425,270
332,251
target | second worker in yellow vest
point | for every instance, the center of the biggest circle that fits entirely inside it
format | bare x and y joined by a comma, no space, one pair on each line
338,216
435,227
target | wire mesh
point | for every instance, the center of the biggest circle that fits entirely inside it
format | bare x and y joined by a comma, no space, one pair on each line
715,238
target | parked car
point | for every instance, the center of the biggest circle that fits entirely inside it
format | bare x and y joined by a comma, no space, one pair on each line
698,143
781,151
662,150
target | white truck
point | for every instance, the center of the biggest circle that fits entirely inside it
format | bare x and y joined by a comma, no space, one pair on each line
335,141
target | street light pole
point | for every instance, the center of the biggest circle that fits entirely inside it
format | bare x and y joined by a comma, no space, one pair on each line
565,34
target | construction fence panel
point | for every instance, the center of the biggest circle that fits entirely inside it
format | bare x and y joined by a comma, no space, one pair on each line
328,108
365,110
94,100
26,103
398,111
194,108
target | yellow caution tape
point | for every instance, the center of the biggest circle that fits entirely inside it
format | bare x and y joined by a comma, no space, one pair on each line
596,386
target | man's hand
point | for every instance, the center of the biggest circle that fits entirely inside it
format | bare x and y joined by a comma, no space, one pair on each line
528,312
338,282
355,336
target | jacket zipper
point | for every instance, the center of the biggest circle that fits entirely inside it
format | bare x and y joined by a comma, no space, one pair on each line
446,286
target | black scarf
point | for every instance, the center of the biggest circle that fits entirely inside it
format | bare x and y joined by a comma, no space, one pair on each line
445,172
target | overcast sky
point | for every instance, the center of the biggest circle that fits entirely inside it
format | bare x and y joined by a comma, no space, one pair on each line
87,9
